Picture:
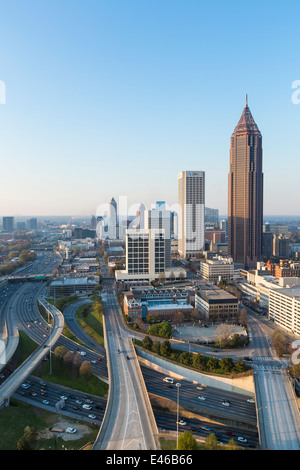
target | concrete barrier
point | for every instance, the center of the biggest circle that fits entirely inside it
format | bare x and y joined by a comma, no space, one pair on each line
243,385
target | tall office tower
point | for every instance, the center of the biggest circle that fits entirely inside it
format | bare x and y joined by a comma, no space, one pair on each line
191,201
140,216
224,226
160,218
211,217
113,220
32,224
8,224
93,223
245,192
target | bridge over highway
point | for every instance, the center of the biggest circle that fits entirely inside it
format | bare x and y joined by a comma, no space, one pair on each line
13,382
129,422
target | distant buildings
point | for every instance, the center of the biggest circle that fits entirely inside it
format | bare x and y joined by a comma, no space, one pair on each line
213,270
140,216
8,224
191,212
107,227
285,268
281,246
245,192
32,224
211,217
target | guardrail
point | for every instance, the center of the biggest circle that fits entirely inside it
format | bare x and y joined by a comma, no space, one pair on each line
108,409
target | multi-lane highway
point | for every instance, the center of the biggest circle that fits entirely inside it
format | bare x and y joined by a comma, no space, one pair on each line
126,425
277,408
203,400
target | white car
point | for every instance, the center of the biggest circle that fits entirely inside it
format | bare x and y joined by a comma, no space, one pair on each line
25,385
182,423
82,353
225,403
92,416
86,407
71,430
250,400
45,402
202,398
242,439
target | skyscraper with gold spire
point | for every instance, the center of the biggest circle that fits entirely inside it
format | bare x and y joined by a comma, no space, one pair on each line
245,192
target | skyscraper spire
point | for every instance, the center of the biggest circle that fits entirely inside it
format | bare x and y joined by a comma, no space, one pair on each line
245,192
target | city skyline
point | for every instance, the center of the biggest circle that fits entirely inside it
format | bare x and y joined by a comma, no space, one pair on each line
101,97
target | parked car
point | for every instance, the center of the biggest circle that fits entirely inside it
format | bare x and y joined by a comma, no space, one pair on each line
71,430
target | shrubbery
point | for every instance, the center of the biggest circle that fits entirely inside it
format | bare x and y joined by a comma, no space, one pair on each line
163,329
199,362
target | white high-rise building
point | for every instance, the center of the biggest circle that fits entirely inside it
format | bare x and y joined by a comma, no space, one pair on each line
145,255
191,212
160,218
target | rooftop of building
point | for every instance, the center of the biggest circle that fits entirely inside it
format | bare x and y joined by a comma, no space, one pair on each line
213,294
70,281
292,292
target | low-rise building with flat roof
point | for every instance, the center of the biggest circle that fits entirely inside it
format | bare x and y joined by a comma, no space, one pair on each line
216,303
164,303
213,270
69,286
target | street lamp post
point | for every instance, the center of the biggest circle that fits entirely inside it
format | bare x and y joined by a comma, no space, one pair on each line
178,387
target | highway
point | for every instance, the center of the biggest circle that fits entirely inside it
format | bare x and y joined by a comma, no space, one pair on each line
28,366
277,408
126,425
208,401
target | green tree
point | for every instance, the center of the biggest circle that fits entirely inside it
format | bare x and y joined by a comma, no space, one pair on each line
211,442
147,343
186,441
232,445
86,369
22,444
60,352
156,347
213,364
226,364
240,366
185,358
165,349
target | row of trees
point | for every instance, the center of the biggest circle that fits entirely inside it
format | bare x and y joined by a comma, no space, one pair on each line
186,441
72,361
25,256
199,362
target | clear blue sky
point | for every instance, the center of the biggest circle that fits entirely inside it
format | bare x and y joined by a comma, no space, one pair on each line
116,97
